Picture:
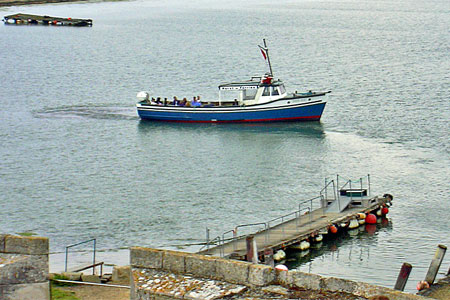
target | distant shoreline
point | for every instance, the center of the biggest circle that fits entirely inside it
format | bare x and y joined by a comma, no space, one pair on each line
5,3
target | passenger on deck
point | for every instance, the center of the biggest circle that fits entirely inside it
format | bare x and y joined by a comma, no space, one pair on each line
175,101
195,103
158,101
153,101
165,102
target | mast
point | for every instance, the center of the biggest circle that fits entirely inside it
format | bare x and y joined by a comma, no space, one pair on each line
268,58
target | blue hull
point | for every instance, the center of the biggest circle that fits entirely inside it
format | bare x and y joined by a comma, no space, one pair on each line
303,112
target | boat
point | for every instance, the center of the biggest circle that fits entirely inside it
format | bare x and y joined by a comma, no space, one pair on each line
260,99
27,19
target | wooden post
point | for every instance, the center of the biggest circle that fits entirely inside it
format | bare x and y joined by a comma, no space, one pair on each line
268,257
252,251
403,277
435,264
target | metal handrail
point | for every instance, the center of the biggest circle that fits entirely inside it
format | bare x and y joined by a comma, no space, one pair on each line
77,244
248,225
323,195
282,218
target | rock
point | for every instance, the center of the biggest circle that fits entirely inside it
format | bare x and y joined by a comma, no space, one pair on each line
90,278
276,289
75,276
121,274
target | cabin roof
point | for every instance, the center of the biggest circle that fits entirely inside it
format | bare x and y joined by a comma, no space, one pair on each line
247,85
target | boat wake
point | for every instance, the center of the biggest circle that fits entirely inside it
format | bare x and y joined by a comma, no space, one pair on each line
91,112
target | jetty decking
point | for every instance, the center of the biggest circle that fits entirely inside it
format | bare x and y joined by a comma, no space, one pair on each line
299,225
27,19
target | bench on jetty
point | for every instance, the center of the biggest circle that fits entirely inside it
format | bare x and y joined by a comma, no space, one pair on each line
313,217
27,19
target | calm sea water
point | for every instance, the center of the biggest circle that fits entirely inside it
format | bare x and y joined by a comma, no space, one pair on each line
76,162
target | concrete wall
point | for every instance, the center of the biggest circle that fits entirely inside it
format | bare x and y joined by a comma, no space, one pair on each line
147,261
24,268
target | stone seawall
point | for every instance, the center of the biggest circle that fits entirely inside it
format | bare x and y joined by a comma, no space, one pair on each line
24,268
165,274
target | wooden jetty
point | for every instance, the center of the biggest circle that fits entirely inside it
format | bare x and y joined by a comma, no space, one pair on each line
27,19
305,224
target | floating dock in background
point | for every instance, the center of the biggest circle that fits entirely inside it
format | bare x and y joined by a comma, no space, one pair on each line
336,208
26,19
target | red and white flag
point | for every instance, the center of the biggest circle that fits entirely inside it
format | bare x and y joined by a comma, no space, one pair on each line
263,51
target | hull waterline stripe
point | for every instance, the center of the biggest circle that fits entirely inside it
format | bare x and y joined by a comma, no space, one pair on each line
309,118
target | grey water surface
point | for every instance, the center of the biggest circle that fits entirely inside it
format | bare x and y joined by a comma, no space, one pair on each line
76,162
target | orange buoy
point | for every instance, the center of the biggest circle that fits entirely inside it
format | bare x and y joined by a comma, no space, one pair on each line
333,229
385,210
371,219
421,285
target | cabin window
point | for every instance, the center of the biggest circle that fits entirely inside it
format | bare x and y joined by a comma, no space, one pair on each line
266,91
282,89
249,94
275,91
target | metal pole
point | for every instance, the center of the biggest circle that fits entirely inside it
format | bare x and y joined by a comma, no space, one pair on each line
403,277
93,260
337,189
368,182
268,59
207,238
67,253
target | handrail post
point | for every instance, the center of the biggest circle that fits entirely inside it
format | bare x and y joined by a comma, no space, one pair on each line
335,192
337,182
207,238
67,254
337,189
93,259
368,183
234,239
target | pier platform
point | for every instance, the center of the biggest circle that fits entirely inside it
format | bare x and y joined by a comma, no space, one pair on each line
347,203
291,232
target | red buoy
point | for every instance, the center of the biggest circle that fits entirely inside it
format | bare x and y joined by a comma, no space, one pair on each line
385,210
371,219
333,229
371,228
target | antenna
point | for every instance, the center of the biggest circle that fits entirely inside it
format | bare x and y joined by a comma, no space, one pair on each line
268,58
